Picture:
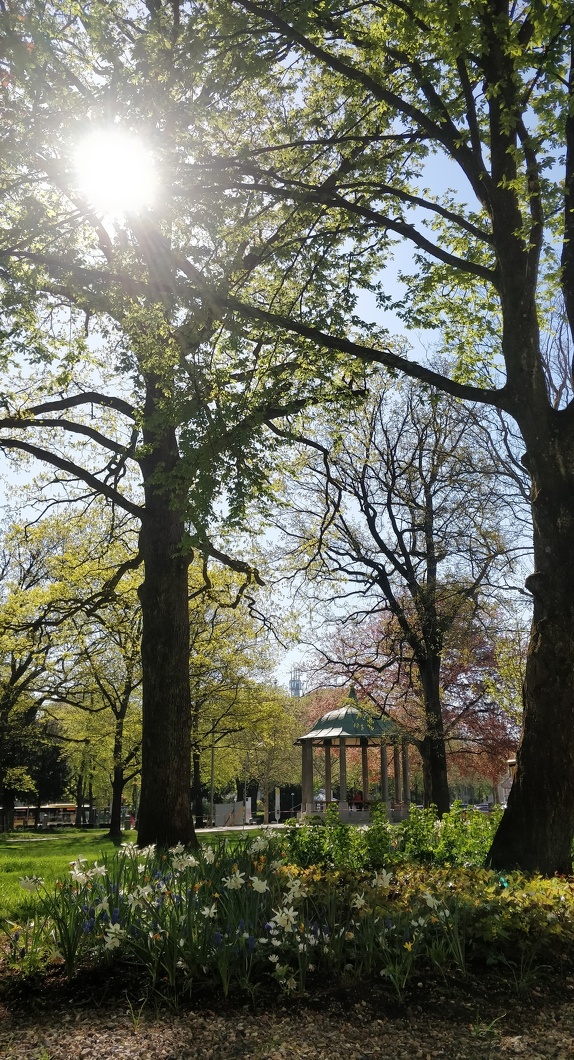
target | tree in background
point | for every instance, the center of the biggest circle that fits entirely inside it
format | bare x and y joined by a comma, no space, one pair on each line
399,519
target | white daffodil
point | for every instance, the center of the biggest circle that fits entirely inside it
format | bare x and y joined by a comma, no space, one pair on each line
259,844
186,861
258,884
98,870
285,918
103,906
130,850
358,901
235,881
177,849
382,880
79,876
31,883
145,852
296,889
431,901
209,911
209,855
113,936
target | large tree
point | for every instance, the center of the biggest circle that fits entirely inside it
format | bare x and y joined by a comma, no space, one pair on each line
123,377
448,127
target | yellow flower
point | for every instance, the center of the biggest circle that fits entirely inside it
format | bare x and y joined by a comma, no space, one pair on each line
408,946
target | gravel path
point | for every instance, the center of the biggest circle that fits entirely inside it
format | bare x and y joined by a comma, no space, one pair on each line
300,1034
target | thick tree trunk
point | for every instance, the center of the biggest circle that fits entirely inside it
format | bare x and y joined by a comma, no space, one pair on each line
537,828
165,802
433,749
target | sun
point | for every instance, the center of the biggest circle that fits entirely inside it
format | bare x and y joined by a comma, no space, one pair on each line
115,172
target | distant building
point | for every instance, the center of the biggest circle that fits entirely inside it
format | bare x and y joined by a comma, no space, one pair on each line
295,684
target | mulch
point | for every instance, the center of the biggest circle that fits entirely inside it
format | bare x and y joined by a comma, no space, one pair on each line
97,1019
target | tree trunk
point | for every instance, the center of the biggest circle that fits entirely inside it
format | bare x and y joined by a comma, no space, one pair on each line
118,782
433,751
79,799
197,794
535,833
165,801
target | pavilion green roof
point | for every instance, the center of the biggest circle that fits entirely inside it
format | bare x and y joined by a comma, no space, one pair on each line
354,724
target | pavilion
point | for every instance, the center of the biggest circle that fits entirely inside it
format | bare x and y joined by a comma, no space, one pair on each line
350,725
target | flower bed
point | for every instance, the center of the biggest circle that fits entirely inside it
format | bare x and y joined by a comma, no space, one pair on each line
239,917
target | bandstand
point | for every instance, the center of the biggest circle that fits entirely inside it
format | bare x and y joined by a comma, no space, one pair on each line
350,725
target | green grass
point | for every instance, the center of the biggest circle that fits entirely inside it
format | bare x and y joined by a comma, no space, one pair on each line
49,857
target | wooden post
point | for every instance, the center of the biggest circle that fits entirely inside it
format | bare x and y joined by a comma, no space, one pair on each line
343,773
397,769
406,778
307,777
384,773
328,787
365,768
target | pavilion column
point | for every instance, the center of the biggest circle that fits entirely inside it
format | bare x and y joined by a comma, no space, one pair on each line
406,777
384,774
328,787
307,777
342,773
365,768
397,770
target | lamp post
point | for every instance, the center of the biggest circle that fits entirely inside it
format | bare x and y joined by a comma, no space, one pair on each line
292,803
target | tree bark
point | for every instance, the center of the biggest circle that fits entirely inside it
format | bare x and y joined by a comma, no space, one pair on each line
118,783
536,831
165,803
432,748
196,789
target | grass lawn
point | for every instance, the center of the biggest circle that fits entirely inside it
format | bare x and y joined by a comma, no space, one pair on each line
49,857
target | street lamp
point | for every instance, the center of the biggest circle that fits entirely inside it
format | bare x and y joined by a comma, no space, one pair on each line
292,803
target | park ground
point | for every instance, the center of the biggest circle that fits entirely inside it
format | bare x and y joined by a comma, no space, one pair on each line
104,1013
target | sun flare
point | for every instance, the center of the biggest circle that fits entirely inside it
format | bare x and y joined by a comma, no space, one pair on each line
115,172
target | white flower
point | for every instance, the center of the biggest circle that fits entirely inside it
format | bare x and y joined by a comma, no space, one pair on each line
79,861
259,844
382,880
358,901
285,918
258,884
291,983
185,862
145,852
177,849
209,911
295,889
31,883
103,906
98,870
430,901
130,850
113,936
273,958
209,855
234,882
78,876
